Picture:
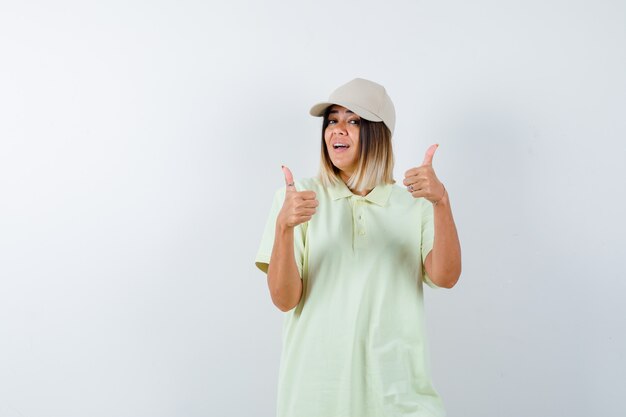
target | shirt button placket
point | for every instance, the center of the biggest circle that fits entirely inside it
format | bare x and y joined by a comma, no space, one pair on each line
358,214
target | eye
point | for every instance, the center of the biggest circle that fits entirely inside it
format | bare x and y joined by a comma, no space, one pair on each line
355,121
332,122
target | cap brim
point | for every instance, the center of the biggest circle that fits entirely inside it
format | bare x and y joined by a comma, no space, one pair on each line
319,109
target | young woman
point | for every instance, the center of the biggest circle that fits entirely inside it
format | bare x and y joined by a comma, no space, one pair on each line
346,254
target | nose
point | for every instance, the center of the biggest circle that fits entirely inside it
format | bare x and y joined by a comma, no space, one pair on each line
339,128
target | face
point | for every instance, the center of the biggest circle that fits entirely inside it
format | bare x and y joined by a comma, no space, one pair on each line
342,139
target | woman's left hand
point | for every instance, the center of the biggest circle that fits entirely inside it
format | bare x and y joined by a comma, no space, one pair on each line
422,181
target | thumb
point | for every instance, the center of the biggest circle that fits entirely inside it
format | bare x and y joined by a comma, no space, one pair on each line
288,179
430,152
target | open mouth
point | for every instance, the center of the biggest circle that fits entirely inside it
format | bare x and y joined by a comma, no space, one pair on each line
341,146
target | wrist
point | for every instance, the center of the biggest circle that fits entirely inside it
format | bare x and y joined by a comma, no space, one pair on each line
444,200
283,228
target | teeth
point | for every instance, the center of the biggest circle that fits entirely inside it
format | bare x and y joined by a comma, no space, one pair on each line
340,145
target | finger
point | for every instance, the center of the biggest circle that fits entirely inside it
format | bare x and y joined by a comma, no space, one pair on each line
288,178
430,152
306,212
307,195
417,185
410,180
301,219
309,203
413,179
420,192
413,172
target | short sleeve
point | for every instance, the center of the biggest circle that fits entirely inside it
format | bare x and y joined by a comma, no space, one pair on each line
264,253
428,238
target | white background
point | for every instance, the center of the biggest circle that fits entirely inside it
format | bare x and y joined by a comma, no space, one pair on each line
141,144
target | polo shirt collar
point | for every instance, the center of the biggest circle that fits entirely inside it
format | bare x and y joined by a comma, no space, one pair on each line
379,195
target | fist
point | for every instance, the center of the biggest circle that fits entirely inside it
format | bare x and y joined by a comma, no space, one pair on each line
422,181
298,207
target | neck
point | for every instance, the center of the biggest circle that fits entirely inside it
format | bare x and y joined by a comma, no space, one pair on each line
361,193
345,177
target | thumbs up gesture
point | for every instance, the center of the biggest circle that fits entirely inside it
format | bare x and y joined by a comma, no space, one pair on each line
298,207
422,181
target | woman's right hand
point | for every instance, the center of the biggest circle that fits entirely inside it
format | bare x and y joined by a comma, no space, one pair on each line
298,207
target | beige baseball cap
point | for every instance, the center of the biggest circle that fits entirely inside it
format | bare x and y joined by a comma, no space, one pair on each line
366,98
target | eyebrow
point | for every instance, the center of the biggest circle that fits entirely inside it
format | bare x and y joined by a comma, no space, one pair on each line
337,111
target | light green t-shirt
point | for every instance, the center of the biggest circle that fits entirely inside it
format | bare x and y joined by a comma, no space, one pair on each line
355,345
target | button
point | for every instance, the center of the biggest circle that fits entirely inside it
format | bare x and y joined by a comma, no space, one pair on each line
360,217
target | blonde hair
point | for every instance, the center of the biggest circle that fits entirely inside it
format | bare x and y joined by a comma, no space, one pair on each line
375,165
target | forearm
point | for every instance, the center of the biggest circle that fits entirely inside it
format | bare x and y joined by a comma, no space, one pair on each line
444,261
283,277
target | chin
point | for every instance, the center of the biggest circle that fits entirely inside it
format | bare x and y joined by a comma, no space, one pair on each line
342,164
340,167
344,168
